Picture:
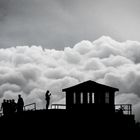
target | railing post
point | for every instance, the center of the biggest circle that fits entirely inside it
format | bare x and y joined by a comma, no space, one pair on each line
130,109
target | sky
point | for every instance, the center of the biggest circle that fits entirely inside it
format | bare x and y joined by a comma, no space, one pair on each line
54,44
61,23
32,70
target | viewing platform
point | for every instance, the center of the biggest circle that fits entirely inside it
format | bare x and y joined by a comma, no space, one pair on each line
89,103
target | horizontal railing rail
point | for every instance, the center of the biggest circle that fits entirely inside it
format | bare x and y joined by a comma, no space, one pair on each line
58,106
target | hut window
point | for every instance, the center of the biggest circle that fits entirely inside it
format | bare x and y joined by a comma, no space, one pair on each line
81,101
107,97
88,98
93,97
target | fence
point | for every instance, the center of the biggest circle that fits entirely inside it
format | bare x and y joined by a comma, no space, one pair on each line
31,106
125,108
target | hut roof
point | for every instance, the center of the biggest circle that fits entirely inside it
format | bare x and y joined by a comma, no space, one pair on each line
89,86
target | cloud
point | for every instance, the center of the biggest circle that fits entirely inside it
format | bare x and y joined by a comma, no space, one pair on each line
31,71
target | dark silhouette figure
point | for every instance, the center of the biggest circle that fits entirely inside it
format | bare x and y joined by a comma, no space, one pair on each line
13,106
20,104
8,107
4,107
47,97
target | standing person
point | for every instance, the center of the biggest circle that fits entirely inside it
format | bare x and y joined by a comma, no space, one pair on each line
4,107
13,106
47,97
20,104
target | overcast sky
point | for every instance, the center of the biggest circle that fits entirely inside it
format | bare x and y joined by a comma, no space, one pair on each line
60,23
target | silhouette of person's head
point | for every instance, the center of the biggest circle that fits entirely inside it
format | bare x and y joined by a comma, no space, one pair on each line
47,93
13,100
4,100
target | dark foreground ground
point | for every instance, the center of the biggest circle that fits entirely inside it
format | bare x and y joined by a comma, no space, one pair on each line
65,124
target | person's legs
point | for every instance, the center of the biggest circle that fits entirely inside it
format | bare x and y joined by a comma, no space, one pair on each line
47,105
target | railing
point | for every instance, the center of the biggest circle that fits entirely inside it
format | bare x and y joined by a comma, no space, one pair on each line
58,106
32,105
124,108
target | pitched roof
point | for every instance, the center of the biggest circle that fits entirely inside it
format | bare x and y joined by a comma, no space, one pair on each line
90,86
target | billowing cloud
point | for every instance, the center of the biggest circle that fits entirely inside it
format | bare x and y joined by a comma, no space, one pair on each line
31,71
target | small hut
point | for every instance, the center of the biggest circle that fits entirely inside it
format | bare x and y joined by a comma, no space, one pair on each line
89,95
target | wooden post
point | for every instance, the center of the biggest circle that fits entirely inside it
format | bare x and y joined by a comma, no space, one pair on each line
85,98
69,100
78,98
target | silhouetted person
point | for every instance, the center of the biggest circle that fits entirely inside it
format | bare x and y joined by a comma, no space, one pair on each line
20,104
47,97
4,107
13,106
9,107
120,111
